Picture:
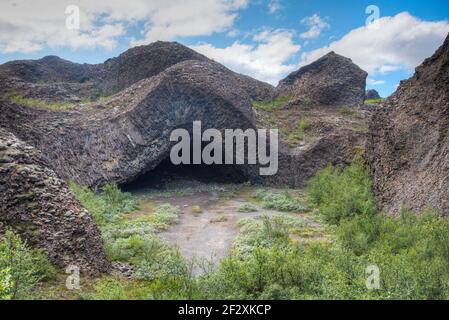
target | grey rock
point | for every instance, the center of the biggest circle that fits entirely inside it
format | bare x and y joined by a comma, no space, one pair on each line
408,143
332,80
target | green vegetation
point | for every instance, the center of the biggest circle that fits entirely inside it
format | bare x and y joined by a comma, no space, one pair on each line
38,103
306,104
349,111
247,207
21,268
6,284
197,210
342,193
268,260
272,105
299,134
374,101
284,201
109,206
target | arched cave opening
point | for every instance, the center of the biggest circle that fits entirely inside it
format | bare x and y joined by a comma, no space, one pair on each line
167,173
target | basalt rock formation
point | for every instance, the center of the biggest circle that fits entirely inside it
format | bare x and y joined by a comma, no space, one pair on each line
408,145
332,80
38,205
115,123
372,94
123,136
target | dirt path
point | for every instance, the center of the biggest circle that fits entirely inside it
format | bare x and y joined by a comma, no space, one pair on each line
207,234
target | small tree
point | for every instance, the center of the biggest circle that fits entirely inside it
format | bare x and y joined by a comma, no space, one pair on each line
26,267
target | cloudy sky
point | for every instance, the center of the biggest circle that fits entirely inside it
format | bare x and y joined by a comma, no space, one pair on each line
266,39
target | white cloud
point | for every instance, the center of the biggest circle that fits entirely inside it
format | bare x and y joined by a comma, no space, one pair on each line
28,26
374,82
274,6
266,60
400,43
316,25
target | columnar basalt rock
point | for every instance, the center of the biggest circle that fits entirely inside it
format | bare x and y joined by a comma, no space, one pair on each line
38,205
332,80
408,144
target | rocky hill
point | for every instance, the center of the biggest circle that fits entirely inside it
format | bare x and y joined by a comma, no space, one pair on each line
332,80
408,145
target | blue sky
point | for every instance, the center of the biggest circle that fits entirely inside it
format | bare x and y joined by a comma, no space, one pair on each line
265,39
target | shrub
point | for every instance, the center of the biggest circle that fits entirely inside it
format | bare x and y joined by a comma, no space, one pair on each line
164,216
302,127
272,105
247,207
117,203
25,267
341,193
284,201
108,206
6,284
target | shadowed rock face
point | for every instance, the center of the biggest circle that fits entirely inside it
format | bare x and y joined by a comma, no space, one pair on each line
408,146
332,80
372,95
38,205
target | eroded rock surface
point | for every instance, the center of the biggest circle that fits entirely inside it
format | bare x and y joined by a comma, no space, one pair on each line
408,145
332,80
38,205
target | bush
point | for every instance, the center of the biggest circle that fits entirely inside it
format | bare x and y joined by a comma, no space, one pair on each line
108,206
22,267
279,201
247,207
342,193
6,284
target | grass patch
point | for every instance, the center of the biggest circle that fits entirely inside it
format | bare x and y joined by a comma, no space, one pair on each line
374,101
299,134
272,105
349,111
284,201
108,206
38,103
247,207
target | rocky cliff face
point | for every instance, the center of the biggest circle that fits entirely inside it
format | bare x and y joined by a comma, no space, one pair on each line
408,145
332,80
38,205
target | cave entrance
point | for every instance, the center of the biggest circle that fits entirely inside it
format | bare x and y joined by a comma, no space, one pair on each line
166,174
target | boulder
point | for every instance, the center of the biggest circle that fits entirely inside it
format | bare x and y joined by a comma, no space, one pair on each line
332,80
408,144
